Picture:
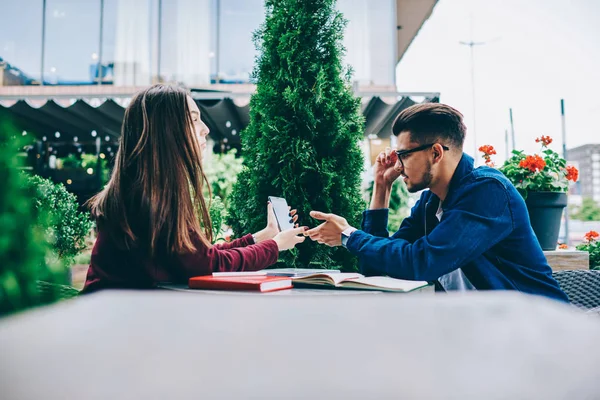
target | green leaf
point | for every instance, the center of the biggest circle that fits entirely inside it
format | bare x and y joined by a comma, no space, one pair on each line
302,142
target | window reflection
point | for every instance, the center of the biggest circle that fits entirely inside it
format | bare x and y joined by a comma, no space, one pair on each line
237,22
194,42
128,53
186,45
369,40
72,41
20,42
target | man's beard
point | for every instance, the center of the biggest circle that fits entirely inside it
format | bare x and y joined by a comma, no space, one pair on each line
423,184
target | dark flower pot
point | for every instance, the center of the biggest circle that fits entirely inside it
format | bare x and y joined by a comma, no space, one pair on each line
545,212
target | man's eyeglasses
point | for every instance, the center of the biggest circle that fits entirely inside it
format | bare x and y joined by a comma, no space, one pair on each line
402,154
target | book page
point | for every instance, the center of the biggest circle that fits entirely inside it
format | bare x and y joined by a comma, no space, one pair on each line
385,282
329,278
300,272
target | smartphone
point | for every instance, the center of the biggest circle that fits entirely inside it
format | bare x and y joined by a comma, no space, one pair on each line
282,213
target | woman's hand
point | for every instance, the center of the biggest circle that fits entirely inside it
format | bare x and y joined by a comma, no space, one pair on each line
272,228
288,239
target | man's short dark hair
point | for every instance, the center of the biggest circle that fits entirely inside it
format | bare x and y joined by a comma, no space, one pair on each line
429,122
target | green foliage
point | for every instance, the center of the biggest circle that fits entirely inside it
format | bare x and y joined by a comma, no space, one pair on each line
23,244
83,163
67,227
69,162
222,172
302,142
589,211
218,213
538,173
592,246
398,204
83,258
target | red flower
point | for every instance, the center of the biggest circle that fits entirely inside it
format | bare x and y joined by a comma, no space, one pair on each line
533,163
591,235
487,150
563,246
572,173
546,140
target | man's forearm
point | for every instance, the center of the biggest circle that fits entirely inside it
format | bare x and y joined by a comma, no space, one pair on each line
380,197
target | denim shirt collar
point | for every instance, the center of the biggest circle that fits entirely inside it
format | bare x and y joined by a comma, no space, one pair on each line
465,167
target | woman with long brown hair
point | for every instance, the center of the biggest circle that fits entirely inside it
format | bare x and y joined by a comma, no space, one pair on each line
153,221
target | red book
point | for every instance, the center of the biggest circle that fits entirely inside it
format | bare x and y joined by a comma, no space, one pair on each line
255,283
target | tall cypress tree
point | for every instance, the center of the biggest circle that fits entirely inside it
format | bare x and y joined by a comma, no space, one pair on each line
302,142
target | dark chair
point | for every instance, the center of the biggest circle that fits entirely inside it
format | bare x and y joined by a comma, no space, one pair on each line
582,287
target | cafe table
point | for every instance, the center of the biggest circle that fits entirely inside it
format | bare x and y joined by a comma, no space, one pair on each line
171,344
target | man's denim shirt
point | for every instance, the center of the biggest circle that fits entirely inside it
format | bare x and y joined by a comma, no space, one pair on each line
485,231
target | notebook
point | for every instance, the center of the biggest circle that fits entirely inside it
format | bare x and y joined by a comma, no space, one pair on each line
357,281
262,272
253,283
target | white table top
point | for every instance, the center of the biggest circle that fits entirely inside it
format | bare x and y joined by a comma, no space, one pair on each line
169,345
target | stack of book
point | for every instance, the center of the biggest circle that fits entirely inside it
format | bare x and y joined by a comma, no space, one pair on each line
287,278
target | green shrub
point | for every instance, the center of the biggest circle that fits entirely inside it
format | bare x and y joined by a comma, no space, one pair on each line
592,246
222,172
398,204
302,142
23,244
218,213
588,211
83,163
65,225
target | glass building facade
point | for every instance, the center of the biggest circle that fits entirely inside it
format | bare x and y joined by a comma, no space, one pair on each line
139,42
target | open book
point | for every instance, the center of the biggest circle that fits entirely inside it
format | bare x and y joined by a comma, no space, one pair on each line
357,281
290,272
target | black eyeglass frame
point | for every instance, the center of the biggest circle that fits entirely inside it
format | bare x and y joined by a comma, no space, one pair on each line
419,148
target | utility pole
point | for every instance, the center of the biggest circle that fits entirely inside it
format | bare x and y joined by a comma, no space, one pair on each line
512,129
506,143
564,140
471,43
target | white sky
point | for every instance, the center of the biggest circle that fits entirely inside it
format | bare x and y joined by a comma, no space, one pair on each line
544,50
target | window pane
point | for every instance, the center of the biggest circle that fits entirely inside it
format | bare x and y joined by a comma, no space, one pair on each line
20,42
238,21
128,48
72,41
186,45
369,40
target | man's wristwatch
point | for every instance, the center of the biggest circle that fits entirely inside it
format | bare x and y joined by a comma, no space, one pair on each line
346,235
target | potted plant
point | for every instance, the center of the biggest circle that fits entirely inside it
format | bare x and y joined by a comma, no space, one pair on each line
543,180
592,246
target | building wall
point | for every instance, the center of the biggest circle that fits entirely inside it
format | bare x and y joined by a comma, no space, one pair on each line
587,159
196,43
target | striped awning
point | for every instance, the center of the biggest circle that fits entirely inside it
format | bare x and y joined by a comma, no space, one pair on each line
83,121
